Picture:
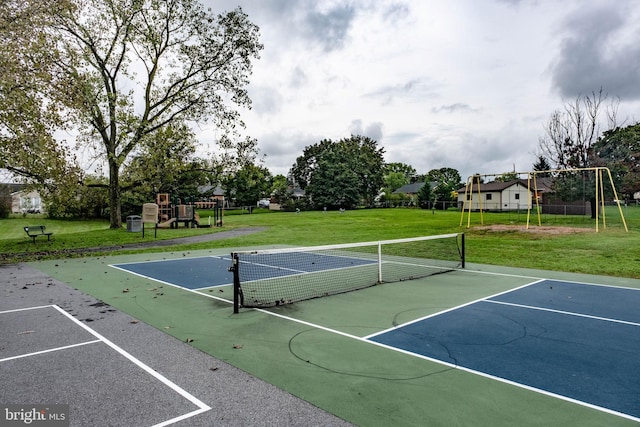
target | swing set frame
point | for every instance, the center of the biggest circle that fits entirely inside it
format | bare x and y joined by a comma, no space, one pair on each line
475,182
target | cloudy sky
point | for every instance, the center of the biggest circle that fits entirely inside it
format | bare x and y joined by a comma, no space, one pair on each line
465,84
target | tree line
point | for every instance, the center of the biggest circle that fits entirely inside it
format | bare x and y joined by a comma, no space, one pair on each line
130,80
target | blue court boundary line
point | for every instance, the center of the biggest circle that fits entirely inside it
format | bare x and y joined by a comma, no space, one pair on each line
202,407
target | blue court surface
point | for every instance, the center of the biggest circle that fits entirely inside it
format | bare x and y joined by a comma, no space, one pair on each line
572,340
212,271
267,266
188,273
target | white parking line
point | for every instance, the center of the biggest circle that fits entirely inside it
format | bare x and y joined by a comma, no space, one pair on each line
202,407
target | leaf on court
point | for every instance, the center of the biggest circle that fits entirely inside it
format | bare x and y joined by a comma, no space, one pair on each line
213,368
237,346
167,327
25,332
189,340
134,321
125,290
152,289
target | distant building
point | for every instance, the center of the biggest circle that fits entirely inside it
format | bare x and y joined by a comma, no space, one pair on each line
410,189
496,196
23,201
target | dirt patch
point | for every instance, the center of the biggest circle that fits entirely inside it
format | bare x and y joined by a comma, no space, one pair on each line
535,229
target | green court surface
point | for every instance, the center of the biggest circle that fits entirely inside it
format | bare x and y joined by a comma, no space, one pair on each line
316,349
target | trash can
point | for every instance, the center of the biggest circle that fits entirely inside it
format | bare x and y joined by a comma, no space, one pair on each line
134,223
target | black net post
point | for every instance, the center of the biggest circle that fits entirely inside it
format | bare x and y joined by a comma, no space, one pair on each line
237,293
462,250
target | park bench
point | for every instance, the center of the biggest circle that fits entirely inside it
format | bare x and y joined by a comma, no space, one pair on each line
37,230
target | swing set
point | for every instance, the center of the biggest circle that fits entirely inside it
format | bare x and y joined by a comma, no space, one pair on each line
541,190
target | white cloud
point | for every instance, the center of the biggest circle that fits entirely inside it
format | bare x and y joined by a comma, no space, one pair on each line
463,84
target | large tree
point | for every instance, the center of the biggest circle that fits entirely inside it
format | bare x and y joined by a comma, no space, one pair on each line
444,181
570,135
344,173
619,150
396,175
128,68
571,132
163,162
248,185
28,115
541,165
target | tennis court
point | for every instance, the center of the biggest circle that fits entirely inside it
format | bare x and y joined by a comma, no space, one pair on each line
481,345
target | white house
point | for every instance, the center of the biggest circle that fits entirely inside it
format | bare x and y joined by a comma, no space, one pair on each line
26,202
495,196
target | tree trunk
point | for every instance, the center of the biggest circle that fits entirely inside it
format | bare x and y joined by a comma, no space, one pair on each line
115,214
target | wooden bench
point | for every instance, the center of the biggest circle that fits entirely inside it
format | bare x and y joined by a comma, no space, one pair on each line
37,230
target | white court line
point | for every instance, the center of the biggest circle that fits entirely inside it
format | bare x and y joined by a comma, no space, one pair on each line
492,273
49,350
202,407
568,313
151,261
535,279
25,309
195,291
453,366
420,319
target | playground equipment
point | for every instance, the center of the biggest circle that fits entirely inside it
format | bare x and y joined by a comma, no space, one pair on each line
173,212
168,213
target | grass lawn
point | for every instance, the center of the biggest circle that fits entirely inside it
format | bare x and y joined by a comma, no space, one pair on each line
561,243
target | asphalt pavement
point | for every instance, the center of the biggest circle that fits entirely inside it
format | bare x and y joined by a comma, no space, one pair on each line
61,346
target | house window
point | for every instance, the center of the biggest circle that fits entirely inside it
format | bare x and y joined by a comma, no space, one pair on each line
489,196
517,196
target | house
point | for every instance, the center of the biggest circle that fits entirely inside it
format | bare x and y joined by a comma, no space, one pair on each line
295,193
23,200
410,192
496,196
410,189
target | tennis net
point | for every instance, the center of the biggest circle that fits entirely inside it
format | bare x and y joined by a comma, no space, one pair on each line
272,277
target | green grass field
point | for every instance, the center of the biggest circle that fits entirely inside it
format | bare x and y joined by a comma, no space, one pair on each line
562,243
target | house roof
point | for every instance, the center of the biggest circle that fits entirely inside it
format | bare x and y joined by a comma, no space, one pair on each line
216,191
494,186
542,184
13,188
409,188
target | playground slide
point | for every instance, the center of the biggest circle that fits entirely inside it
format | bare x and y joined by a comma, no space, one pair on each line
166,224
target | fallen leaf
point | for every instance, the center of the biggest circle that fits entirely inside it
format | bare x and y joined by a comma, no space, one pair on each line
237,346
